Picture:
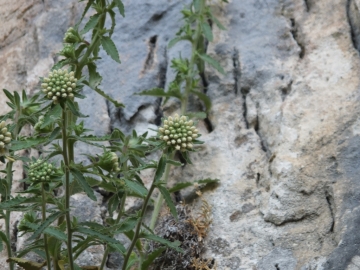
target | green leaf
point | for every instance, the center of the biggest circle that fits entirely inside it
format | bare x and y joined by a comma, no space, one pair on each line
160,169
110,48
173,162
52,115
27,264
127,225
91,23
120,6
204,98
207,181
112,241
87,7
55,232
113,21
45,224
168,200
136,187
174,245
207,31
11,204
4,239
151,257
9,96
197,115
159,92
132,260
83,183
54,133
73,108
176,40
211,61
185,155
217,22
103,94
94,77
180,186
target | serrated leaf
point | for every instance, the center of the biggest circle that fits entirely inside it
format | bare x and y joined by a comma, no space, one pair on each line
73,108
151,257
61,63
4,239
103,94
87,7
110,48
52,115
180,186
136,187
207,31
113,242
113,21
174,245
207,181
120,6
91,23
27,264
176,40
94,77
160,169
127,225
10,204
57,233
9,96
204,98
54,133
174,162
83,183
211,61
168,200
217,22
159,92
185,155
50,219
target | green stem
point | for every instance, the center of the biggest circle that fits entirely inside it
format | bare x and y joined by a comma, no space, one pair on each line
138,227
67,187
9,179
121,212
43,212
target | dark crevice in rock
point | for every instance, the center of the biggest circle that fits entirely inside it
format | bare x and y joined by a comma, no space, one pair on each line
157,16
277,267
257,130
295,34
14,236
162,82
108,109
353,16
331,203
151,54
257,179
244,92
236,70
285,91
307,5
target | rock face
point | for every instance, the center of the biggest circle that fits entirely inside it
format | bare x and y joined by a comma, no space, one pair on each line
285,136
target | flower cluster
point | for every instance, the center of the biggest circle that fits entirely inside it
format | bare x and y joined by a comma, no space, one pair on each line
5,138
41,171
39,123
178,132
72,36
109,162
59,85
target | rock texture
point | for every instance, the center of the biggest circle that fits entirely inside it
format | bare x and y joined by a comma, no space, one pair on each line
285,131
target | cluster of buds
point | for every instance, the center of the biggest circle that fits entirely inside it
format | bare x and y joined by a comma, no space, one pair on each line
72,36
59,85
109,161
178,132
39,123
41,171
5,138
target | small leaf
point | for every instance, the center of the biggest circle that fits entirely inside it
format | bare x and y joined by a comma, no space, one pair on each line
127,225
7,205
94,77
54,133
168,200
207,31
45,224
197,115
137,188
73,108
120,6
87,7
173,162
83,183
211,61
207,181
132,260
91,23
113,21
58,234
180,186
27,264
110,48
217,22
160,169
176,40
4,239
174,245
151,257
204,98
9,96
159,92
52,115
185,155
103,94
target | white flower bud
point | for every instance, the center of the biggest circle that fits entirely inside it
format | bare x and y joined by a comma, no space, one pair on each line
189,145
166,138
2,124
183,118
194,136
4,130
1,137
161,130
168,143
189,132
171,123
166,126
178,140
7,140
2,145
173,141
167,132
64,95
170,118
189,139
177,147
166,122
183,145
7,134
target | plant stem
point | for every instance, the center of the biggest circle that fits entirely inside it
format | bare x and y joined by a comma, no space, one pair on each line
67,186
121,212
43,212
138,226
9,179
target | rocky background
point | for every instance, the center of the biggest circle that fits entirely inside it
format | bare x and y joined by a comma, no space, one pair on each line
284,130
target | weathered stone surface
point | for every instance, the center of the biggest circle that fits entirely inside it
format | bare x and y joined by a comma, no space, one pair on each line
285,139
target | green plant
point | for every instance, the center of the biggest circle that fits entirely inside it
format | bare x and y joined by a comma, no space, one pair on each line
54,114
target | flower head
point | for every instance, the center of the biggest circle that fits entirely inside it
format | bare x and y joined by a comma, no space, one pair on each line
109,162
178,132
41,171
5,139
